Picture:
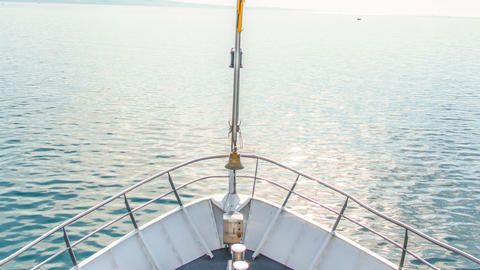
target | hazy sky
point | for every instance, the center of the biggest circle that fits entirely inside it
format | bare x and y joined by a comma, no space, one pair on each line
398,7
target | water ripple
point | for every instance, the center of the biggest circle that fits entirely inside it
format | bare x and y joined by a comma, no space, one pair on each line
388,109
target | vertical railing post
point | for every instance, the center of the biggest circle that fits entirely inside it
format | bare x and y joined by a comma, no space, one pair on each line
189,218
179,201
255,178
290,191
132,217
328,237
69,247
404,250
140,235
340,215
273,220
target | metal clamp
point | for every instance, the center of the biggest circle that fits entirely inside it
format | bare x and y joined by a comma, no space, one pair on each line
232,58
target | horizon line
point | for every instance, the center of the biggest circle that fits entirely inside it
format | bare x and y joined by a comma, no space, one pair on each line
189,3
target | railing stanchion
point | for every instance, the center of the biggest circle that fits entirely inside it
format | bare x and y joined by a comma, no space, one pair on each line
329,236
69,247
340,215
290,191
404,250
274,219
179,201
189,218
255,178
132,217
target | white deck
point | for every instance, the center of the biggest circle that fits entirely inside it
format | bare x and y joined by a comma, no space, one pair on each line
170,241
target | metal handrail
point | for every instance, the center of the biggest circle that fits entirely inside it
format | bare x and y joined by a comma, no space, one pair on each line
103,203
373,211
386,238
130,212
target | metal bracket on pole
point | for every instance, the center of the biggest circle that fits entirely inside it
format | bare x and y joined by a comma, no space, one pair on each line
69,247
274,220
328,237
189,219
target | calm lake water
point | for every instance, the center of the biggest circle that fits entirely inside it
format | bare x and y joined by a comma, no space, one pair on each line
96,97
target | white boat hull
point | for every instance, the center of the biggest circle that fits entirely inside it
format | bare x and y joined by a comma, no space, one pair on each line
171,241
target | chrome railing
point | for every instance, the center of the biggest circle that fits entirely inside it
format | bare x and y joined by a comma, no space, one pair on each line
70,246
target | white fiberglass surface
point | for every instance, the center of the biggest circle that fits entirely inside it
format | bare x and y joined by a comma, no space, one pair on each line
170,241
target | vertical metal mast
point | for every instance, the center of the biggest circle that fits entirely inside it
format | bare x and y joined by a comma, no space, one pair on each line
236,59
231,201
235,129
